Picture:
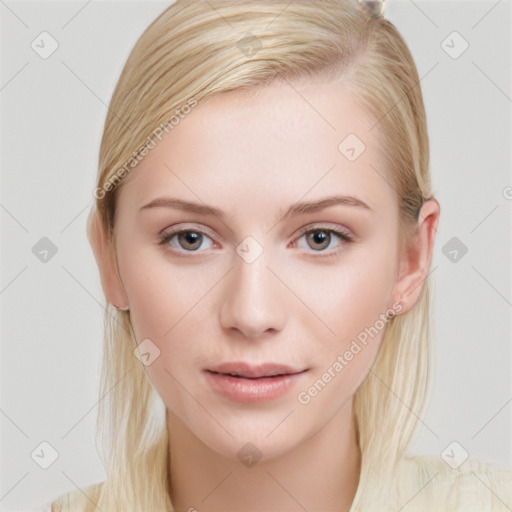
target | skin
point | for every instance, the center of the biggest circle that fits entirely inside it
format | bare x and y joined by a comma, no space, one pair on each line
252,154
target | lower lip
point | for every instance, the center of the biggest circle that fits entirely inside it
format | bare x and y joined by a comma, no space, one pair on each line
251,390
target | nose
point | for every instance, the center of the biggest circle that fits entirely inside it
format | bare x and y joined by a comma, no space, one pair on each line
253,300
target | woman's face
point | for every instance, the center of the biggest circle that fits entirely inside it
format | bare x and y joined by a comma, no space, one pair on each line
249,284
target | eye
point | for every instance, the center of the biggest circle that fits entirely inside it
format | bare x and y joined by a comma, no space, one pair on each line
188,239
319,238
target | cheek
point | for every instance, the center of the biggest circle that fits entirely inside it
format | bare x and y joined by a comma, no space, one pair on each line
161,292
352,301
164,308
170,304
349,295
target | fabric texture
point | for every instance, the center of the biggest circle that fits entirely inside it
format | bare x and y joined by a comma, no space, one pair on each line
421,484
428,483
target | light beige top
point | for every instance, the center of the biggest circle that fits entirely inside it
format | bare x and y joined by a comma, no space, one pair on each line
422,484
428,483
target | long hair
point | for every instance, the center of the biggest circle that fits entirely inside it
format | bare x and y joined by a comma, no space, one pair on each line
194,51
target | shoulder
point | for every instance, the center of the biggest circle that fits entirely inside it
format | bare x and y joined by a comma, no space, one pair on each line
428,481
78,500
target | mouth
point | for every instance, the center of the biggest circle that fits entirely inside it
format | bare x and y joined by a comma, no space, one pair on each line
241,382
243,370
253,378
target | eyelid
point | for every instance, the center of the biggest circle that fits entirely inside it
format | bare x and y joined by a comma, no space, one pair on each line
171,230
338,228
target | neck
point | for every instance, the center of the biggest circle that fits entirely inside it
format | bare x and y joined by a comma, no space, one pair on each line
320,473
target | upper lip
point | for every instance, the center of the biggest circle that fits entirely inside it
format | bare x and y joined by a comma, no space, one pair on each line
246,370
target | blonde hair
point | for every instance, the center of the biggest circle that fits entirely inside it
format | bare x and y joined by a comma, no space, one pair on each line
195,51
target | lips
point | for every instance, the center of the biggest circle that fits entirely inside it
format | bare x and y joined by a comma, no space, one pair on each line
247,371
244,383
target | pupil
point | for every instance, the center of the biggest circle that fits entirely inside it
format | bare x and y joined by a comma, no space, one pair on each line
319,237
192,238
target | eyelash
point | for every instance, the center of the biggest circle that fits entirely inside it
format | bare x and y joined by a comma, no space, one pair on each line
344,236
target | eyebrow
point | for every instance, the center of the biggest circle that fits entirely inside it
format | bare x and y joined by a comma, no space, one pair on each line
295,209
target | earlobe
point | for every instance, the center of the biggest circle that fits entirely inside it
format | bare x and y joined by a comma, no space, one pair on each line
104,254
416,260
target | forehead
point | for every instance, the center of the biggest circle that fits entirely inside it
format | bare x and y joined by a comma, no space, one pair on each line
280,142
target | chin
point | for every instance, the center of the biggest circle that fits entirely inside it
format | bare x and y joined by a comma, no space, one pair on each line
251,440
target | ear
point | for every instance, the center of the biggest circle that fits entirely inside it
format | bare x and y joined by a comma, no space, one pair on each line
415,262
104,254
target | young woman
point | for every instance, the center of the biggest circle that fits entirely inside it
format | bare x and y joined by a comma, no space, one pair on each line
263,228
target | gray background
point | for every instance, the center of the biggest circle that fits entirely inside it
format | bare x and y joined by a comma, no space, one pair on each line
51,122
